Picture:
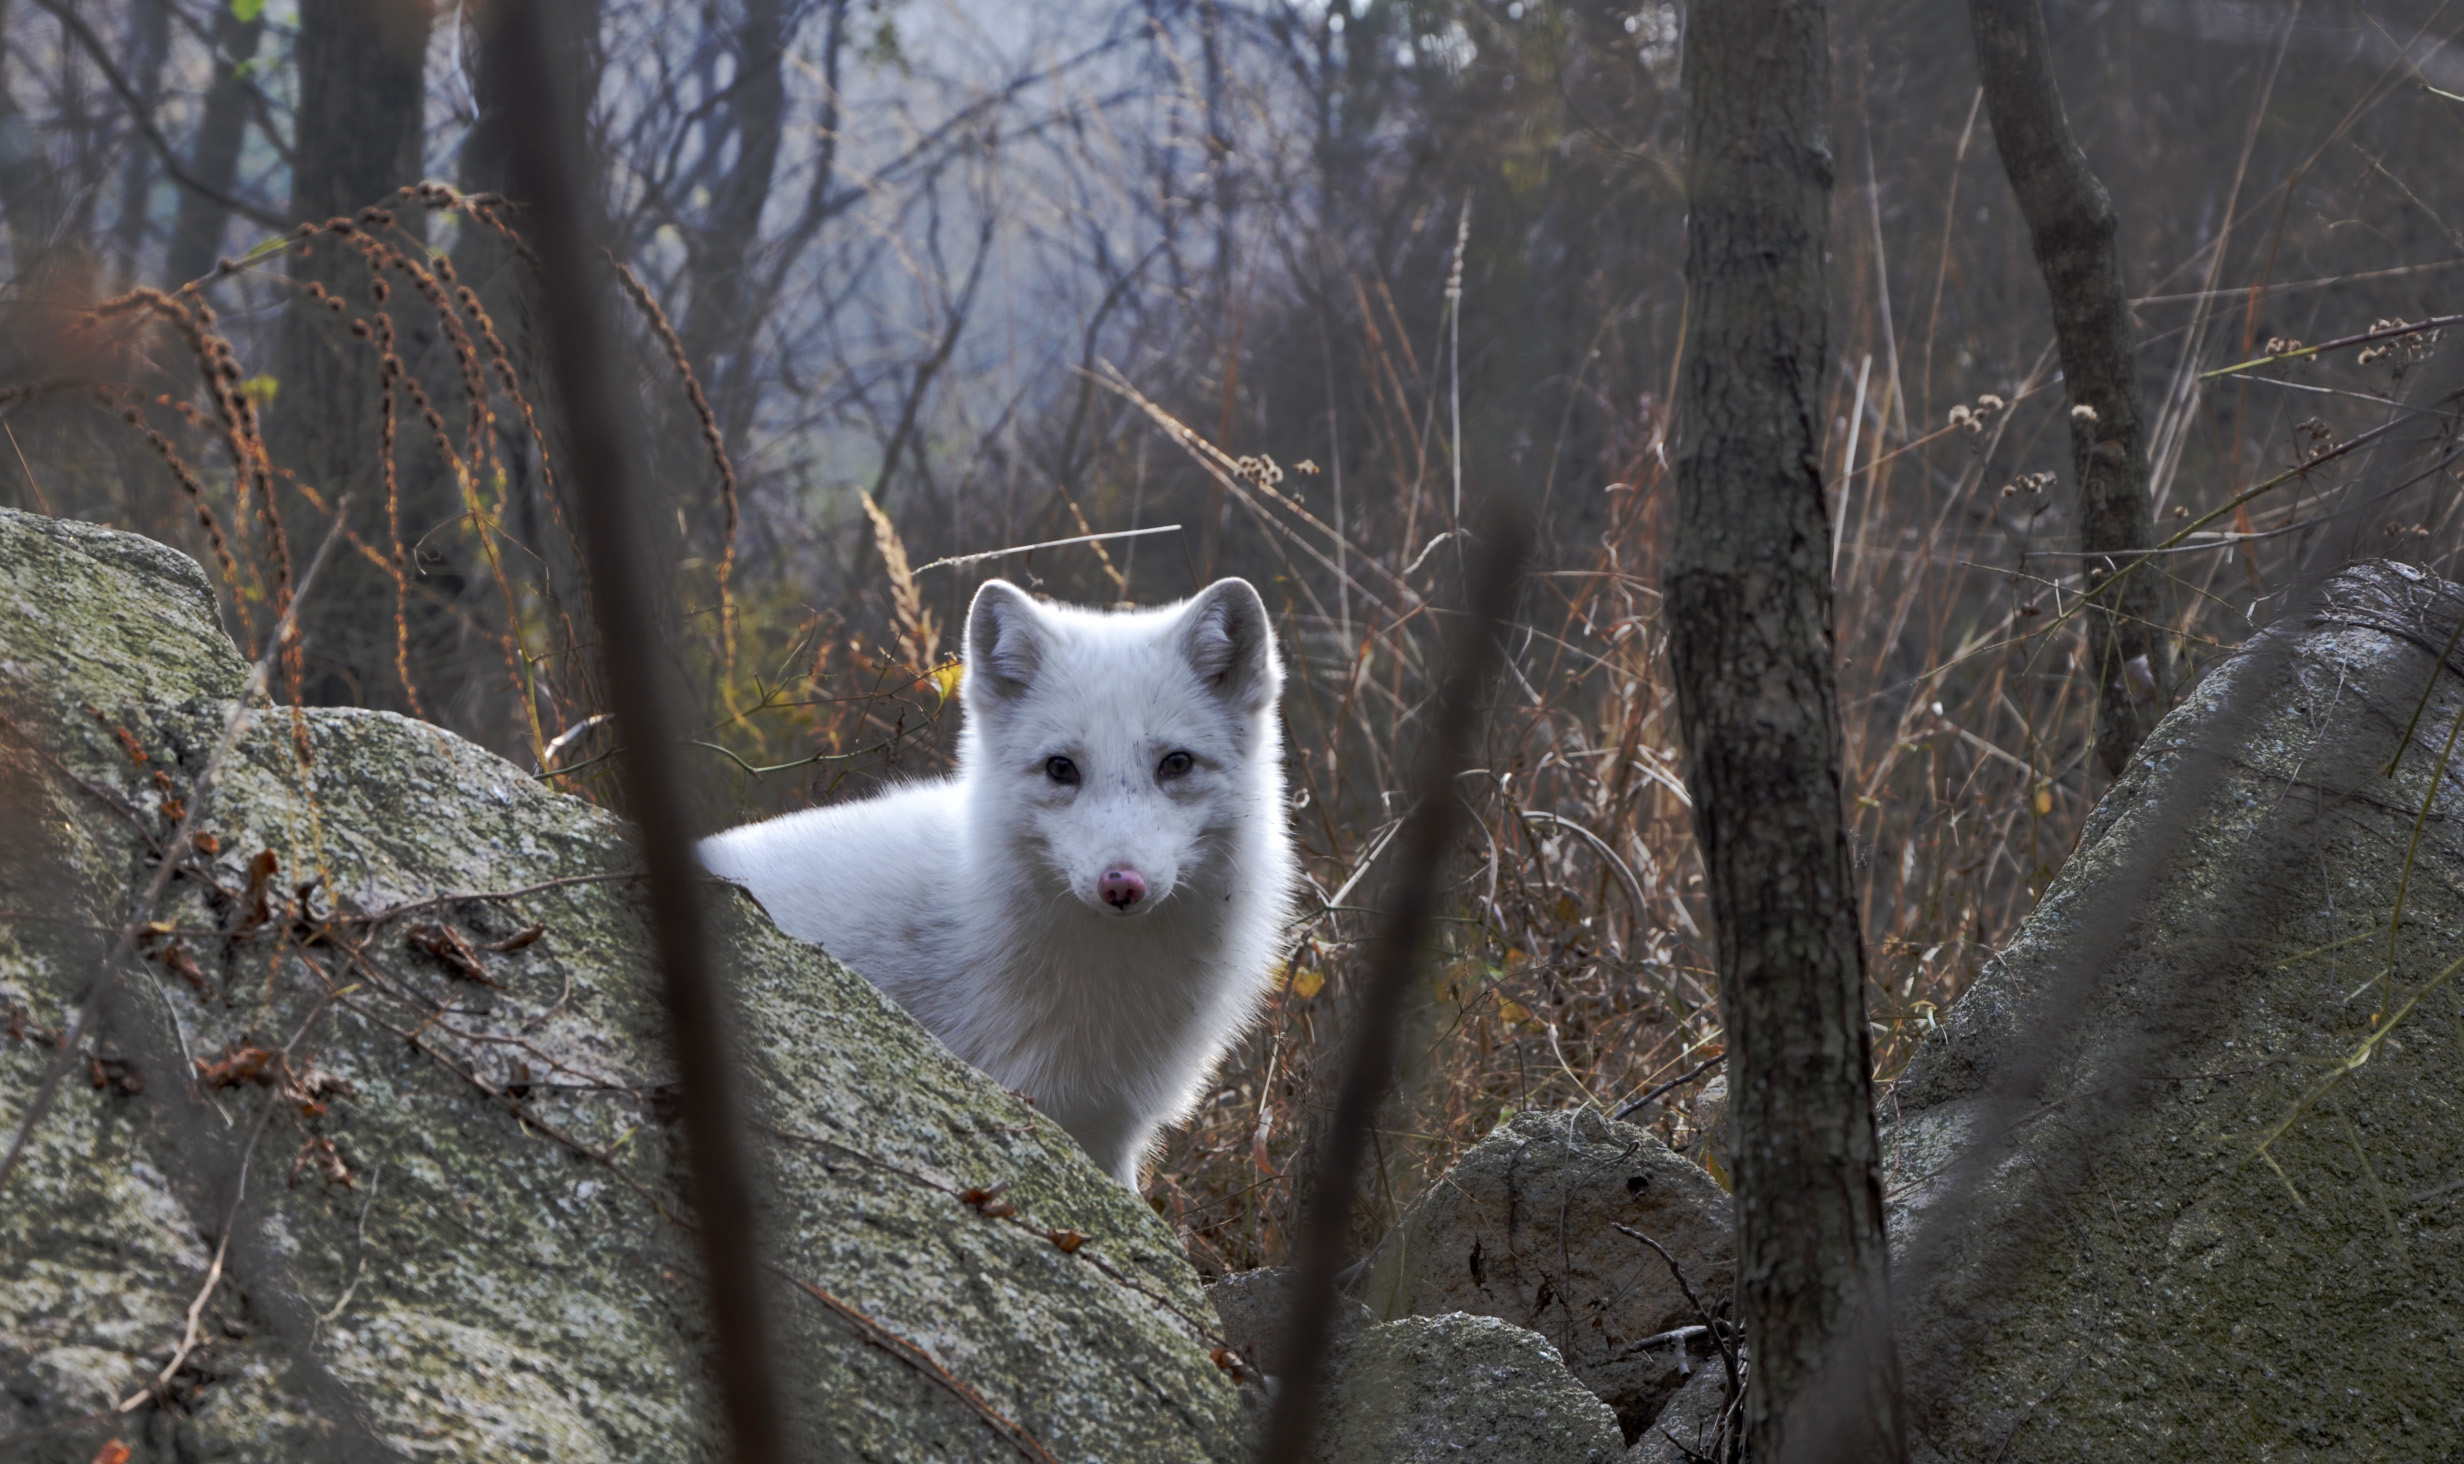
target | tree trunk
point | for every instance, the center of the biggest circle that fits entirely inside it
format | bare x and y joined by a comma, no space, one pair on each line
2072,222
508,291
719,332
196,236
362,94
29,187
149,45
1750,638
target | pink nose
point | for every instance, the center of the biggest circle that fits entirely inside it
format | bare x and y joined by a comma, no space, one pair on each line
1121,888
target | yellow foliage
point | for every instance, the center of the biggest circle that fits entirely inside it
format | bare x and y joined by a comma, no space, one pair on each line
1304,983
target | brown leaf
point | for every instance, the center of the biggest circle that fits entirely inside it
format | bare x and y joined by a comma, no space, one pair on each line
256,906
1233,1363
239,1065
118,1074
320,1151
449,947
178,959
516,941
987,1201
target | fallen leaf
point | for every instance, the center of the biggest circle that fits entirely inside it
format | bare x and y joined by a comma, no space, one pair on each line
449,947
239,1065
517,940
987,1202
177,958
256,904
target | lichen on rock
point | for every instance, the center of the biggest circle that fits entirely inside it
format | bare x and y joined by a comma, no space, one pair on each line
461,1228
1525,1227
2227,1225
1458,1387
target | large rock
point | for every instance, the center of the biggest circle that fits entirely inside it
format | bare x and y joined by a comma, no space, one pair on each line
1688,1428
2137,1280
460,1230
1460,1389
1524,1227
1255,1307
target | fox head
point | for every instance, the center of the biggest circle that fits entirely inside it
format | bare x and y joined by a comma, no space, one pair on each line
1122,750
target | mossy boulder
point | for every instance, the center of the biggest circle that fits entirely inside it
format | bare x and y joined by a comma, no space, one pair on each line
2230,1223
392,1058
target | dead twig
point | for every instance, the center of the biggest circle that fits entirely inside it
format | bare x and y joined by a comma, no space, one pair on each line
1672,1085
1728,1348
914,1356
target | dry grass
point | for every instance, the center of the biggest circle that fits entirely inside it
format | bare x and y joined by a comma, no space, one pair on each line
1572,967
1573,970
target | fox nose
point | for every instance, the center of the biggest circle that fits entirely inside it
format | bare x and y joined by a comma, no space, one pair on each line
1121,888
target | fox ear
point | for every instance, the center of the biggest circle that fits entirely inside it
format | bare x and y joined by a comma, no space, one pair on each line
1230,645
1005,643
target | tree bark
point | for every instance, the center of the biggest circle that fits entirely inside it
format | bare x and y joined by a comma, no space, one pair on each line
214,157
29,189
719,331
362,96
1750,637
2072,222
149,45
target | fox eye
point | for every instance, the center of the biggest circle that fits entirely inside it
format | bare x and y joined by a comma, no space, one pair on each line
1175,764
1061,770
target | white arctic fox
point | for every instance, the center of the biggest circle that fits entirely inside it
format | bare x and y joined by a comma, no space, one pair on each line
1089,910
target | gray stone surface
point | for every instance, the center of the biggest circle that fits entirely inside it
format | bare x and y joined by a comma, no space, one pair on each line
1707,1145
2138,1281
1523,1227
1460,1389
458,1236
1688,1428
1252,1306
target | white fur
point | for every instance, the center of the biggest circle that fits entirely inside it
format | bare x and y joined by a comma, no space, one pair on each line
972,901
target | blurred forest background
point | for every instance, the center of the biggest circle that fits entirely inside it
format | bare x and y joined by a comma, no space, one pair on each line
1286,285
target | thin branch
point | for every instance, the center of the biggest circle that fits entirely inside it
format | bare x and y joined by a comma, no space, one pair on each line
139,114
965,559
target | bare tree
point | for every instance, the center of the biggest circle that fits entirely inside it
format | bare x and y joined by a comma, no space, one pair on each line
214,155
2073,225
1750,639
